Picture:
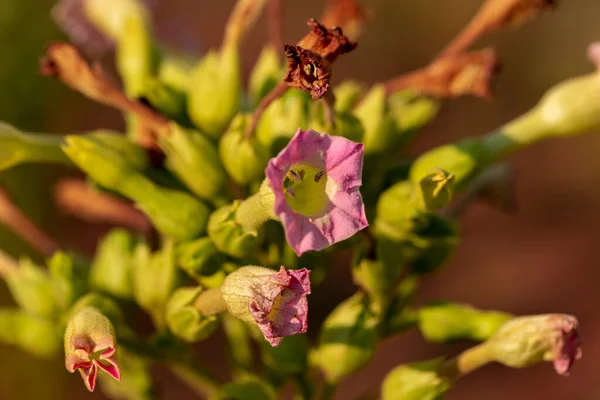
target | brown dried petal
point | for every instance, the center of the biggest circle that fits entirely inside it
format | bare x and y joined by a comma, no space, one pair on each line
453,76
307,71
328,43
348,15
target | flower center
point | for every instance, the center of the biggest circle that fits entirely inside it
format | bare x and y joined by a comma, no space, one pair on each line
305,190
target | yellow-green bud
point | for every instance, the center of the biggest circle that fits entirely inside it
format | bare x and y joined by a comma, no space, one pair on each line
135,155
193,159
244,158
110,16
170,101
348,339
347,94
379,126
32,334
111,269
199,258
184,320
447,322
32,289
229,236
215,91
411,111
266,73
419,381
69,278
436,190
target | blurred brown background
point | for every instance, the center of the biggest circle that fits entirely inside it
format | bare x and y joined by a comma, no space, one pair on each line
543,259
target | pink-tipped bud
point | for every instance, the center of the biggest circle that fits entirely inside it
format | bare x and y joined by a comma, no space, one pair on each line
90,345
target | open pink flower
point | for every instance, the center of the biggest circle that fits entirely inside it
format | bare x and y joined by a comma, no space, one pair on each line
316,180
275,301
90,345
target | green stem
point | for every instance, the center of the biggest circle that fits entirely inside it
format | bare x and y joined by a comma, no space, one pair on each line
466,362
45,148
210,302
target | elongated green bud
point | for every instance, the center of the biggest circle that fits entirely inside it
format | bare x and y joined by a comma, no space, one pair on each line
411,112
135,155
170,101
215,91
266,73
244,158
347,94
435,190
69,278
110,16
447,322
419,381
199,258
111,270
32,334
348,339
32,289
194,159
17,147
172,212
184,320
379,126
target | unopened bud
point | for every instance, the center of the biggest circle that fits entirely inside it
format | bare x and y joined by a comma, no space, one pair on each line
90,345
266,73
347,94
418,381
436,190
244,158
348,339
194,159
525,341
184,320
215,93
411,111
32,334
17,147
168,100
135,155
110,272
377,121
275,301
199,258
447,322
69,278
32,289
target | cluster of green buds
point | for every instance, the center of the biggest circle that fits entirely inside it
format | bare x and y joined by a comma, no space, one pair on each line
233,204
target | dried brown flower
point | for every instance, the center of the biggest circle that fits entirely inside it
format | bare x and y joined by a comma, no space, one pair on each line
453,76
307,70
348,15
328,43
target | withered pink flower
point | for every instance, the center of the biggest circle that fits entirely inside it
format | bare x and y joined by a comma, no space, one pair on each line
275,301
316,180
527,340
90,345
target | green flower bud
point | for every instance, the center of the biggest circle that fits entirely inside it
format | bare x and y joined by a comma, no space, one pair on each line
379,126
136,380
175,71
172,212
346,125
463,159
282,118
266,74
110,16
231,237
436,190
411,112
347,94
170,101
184,320
32,289
216,280
199,258
193,159
34,335
244,158
419,381
110,272
17,147
155,277
135,155
397,211
215,91
290,357
447,322
248,388
374,276
69,278
348,339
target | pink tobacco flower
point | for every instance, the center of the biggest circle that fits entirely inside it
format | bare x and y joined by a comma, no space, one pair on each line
90,345
316,180
275,301
567,347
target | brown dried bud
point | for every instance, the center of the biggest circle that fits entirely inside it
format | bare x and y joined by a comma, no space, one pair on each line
328,43
348,15
453,76
307,71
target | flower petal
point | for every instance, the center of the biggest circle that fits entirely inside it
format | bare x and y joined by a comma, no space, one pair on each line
89,376
110,365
